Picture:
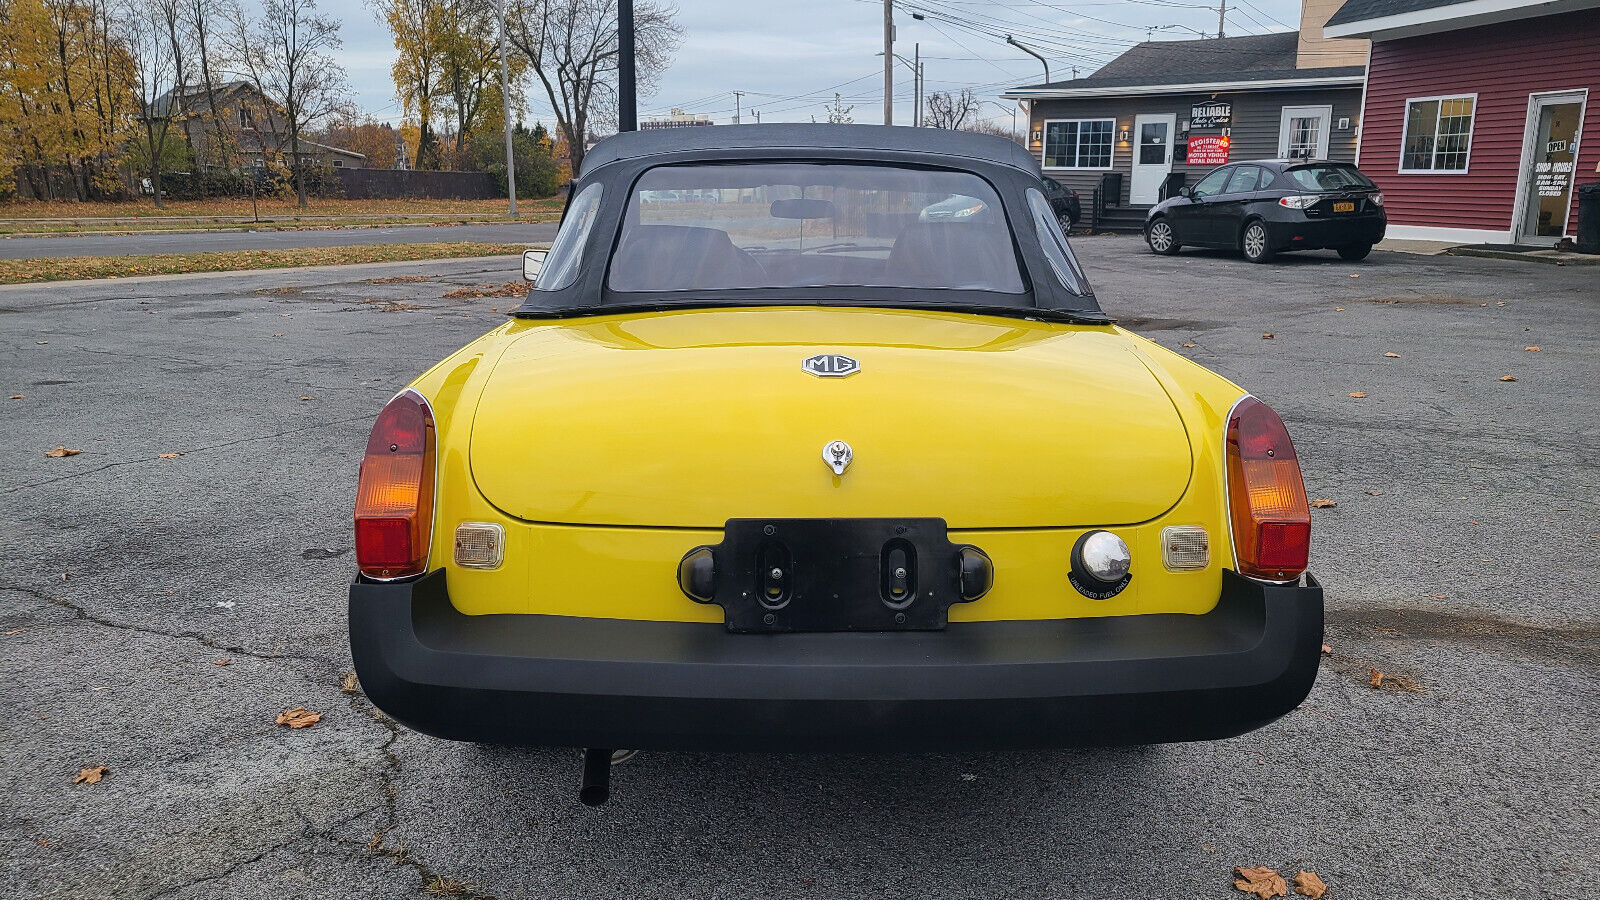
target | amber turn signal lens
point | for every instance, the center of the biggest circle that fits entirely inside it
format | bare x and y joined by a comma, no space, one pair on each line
1266,496
394,500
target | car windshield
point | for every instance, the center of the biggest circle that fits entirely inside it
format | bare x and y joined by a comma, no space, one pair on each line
1329,178
804,225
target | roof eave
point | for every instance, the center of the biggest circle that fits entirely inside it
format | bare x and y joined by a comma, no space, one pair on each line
1456,16
1194,88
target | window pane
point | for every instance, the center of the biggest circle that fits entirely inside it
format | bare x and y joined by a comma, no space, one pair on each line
566,251
1060,144
1305,136
1421,119
1455,124
1329,178
1153,143
1095,144
1212,183
1056,250
1243,180
803,225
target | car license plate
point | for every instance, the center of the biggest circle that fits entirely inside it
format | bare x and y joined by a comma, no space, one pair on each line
831,575
1344,207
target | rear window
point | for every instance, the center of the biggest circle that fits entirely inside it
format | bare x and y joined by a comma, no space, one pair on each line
801,225
1328,178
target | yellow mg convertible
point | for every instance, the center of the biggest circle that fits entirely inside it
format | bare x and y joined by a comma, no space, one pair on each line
814,438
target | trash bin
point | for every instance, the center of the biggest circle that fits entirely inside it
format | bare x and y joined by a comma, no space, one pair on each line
1589,217
1111,188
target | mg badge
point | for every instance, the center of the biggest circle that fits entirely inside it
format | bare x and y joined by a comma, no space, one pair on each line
831,365
837,454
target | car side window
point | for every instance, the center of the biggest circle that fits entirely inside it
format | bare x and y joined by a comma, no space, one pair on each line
1212,183
1055,245
1244,180
561,265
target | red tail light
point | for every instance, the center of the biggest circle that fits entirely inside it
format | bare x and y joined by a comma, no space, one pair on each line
1266,497
394,501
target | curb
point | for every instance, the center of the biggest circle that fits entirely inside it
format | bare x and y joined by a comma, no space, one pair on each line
286,270
1570,260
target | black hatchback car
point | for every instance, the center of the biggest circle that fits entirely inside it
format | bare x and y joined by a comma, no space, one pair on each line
1063,202
1267,206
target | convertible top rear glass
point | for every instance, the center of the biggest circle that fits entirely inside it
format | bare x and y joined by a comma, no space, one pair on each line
698,224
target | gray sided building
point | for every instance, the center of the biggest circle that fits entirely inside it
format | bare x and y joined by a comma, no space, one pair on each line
1165,112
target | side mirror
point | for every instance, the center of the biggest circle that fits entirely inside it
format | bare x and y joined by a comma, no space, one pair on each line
532,262
1186,192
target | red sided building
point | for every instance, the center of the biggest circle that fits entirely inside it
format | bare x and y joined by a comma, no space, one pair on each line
1479,119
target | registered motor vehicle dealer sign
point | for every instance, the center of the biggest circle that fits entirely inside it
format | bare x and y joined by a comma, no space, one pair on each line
1211,150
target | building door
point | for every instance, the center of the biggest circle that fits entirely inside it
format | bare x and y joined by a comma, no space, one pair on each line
1152,156
1303,132
1549,155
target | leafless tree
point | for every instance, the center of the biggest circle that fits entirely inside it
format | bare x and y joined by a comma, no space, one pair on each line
838,113
288,53
571,46
947,110
155,84
203,19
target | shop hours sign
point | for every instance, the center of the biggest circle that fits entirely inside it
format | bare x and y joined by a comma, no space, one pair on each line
1211,115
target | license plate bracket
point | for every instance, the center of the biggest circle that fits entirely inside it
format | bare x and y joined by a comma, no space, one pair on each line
788,575
1344,206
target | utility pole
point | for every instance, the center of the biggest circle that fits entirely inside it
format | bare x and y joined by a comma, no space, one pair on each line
1222,19
627,86
916,83
888,62
505,106
737,97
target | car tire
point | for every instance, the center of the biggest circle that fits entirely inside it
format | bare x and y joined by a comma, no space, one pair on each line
1354,252
1064,219
1160,237
1255,243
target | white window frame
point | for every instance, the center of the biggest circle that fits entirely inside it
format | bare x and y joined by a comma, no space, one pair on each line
1405,133
1044,145
1288,114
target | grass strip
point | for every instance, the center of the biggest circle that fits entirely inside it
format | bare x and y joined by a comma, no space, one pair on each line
28,271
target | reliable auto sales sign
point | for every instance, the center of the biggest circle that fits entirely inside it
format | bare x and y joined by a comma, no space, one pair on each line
1211,115
1208,151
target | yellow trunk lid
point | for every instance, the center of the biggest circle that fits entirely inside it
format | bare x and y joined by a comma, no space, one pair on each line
689,418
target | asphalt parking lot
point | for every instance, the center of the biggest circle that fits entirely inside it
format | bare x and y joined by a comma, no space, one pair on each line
1460,560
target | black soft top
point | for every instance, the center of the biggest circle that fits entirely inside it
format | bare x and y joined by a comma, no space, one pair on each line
810,138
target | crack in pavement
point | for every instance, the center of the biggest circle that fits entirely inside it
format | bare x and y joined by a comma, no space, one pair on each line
83,615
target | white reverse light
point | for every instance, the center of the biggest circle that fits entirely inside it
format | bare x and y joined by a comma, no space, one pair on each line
480,545
1185,548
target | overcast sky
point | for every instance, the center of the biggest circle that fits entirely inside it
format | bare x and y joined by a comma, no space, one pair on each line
789,56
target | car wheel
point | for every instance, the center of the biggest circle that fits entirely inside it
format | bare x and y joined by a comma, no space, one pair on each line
1160,238
1065,221
1255,243
1354,252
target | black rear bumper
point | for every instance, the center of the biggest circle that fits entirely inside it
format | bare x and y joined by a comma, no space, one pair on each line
566,681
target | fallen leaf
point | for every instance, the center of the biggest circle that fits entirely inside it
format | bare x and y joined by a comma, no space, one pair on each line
308,398
1437,596
1355,274
1309,884
1392,355
1358,394
1377,679
91,776
1326,650
299,717
41,342
1376,493
1532,349
1338,309
1188,345
15,631
350,685
168,455
1473,521
1508,378
279,334
59,452
1267,336
1261,881
16,396
1499,303
221,662
1324,503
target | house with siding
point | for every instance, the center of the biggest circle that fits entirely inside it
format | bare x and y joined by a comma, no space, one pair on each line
1166,112
1476,121
252,129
